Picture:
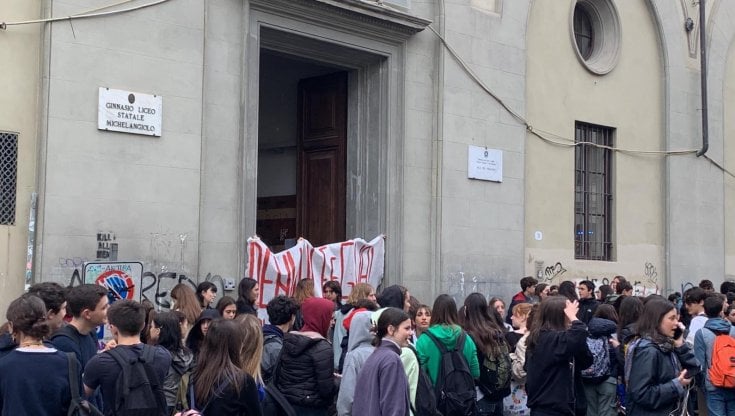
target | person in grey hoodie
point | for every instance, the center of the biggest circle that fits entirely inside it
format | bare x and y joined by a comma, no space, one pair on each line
720,401
359,349
383,384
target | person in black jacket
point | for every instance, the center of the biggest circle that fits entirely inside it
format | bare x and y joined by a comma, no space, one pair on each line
659,365
587,302
556,352
305,373
247,294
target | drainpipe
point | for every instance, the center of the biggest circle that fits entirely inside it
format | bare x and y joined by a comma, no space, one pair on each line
703,79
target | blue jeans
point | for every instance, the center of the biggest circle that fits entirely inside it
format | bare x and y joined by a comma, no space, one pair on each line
487,408
720,402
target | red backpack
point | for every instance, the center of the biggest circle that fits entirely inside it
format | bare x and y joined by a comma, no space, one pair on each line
722,370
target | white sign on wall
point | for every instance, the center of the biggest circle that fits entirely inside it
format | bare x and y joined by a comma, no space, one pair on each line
129,112
485,164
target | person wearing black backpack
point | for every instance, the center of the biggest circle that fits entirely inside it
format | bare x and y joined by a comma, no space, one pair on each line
493,355
450,358
131,375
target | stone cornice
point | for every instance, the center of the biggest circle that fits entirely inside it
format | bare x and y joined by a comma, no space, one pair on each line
365,17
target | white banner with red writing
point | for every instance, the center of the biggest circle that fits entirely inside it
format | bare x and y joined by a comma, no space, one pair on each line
349,262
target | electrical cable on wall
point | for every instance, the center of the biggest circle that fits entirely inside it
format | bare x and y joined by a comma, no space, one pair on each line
560,140
87,14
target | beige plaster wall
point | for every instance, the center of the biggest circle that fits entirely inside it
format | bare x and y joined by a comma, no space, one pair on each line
19,79
561,91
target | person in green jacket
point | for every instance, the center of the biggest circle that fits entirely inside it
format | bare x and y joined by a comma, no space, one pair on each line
444,326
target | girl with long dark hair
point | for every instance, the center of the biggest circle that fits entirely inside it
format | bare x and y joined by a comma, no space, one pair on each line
556,351
206,294
490,343
221,387
659,364
227,307
247,293
383,384
166,332
445,328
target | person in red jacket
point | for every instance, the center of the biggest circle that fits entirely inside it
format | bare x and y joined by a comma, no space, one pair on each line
528,289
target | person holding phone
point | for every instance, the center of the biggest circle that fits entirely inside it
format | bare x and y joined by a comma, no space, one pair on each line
659,365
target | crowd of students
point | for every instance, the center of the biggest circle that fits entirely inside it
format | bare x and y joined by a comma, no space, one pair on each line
571,349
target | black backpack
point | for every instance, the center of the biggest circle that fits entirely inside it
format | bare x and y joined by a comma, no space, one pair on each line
495,372
455,387
139,391
78,406
425,395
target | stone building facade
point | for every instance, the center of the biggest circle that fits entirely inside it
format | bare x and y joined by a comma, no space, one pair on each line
412,86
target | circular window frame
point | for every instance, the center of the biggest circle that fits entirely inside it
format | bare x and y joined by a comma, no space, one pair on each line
606,35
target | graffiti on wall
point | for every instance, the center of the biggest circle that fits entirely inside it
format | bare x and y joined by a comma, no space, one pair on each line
645,283
165,266
554,272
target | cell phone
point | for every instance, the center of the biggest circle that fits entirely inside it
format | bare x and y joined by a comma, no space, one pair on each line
688,373
678,332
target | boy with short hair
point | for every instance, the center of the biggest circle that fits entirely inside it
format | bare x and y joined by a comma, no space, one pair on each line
126,318
694,303
88,306
528,288
281,314
720,401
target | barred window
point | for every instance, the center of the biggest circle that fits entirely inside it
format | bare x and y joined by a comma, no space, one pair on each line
8,176
593,193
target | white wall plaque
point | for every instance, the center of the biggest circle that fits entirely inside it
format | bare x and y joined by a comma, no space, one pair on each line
485,164
129,112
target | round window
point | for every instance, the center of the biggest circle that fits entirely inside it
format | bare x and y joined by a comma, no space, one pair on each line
595,30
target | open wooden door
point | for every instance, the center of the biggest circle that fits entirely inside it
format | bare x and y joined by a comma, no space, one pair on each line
322,154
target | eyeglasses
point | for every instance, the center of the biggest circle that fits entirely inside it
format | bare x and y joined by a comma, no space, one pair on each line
329,291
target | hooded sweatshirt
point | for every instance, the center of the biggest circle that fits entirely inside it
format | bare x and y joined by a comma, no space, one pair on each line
391,297
317,314
340,331
305,372
704,342
359,349
430,356
196,336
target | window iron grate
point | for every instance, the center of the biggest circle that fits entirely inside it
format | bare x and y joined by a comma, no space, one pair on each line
8,176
